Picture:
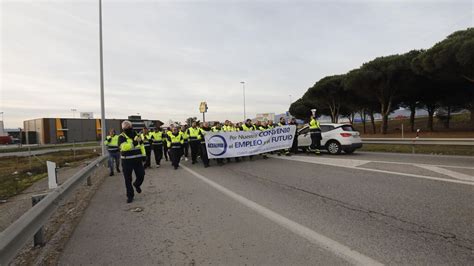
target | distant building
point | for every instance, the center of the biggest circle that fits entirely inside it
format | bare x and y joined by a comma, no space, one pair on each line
68,130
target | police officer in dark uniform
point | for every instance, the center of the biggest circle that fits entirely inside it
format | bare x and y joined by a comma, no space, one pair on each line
203,131
132,153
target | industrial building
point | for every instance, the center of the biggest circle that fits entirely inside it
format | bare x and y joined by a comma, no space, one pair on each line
68,130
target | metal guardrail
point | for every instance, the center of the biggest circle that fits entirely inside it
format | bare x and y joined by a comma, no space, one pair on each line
22,230
421,141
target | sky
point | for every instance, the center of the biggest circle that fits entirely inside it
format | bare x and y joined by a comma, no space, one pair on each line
162,58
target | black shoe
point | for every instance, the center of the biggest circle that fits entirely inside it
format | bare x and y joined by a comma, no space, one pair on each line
206,166
111,174
193,162
137,188
129,200
118,170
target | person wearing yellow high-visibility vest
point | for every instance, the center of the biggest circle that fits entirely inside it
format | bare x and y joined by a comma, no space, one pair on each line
157,145
114,152
284,151
315,133
194,140
175,146
132,153
146,138
184,131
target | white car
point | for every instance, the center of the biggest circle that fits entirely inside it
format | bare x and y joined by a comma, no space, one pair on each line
336,138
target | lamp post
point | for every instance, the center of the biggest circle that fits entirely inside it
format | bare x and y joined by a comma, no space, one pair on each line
102,107
73,112
243,88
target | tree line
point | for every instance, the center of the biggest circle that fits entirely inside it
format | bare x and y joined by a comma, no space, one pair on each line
439,78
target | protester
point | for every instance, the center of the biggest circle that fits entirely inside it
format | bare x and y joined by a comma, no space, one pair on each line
157,145
114,152
132,153
175,146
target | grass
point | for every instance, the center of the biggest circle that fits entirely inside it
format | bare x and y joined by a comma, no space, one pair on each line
459,128
49,146
19,173
420,149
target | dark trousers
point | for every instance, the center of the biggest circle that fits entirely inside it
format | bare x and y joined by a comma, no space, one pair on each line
129,166
114,155
315,140
186,148
195,145
294,147
148,156
175,155
204,157
158,152
165,151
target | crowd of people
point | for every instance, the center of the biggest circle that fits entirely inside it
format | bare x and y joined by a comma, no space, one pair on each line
175,143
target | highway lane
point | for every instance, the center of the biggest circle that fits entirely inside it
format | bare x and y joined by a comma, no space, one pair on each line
221,214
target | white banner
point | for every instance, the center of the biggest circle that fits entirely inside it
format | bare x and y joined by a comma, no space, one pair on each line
245,143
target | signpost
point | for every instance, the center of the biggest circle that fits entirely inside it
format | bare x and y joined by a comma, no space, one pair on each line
203,110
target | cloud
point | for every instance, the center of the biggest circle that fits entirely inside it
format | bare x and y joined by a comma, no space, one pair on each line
162,58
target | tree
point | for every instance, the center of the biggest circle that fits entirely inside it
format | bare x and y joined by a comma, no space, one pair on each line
328,95
301,109
381,79
190,120
451,61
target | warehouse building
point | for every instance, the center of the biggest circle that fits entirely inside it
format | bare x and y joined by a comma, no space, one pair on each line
68,130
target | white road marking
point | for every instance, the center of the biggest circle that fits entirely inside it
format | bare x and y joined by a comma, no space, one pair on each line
447,172
341,163
322,241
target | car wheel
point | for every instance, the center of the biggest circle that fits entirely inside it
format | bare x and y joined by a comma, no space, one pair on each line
349,150
333,147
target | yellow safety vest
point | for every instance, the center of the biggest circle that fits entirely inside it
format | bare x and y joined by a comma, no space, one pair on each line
112,143
130,151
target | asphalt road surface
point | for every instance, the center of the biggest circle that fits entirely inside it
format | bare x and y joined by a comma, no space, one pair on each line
366,208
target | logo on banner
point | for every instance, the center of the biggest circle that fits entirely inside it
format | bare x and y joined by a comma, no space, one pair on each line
217,145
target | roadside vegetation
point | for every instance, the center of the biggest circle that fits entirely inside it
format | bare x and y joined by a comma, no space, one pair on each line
18,173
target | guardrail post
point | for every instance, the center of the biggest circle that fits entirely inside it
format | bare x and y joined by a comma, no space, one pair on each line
89,180
38,238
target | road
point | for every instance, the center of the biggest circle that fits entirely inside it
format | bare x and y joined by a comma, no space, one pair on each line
366,208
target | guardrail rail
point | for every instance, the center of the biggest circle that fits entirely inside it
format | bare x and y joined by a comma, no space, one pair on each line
421,141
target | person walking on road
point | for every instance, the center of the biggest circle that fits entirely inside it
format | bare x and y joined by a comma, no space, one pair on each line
165,142
114,152
194,141
202,132
315,132
186,142
175,146
157,145
294,147
146,138
132,153
282,123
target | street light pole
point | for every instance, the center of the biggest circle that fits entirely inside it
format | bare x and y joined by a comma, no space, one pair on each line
102,106
243,88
